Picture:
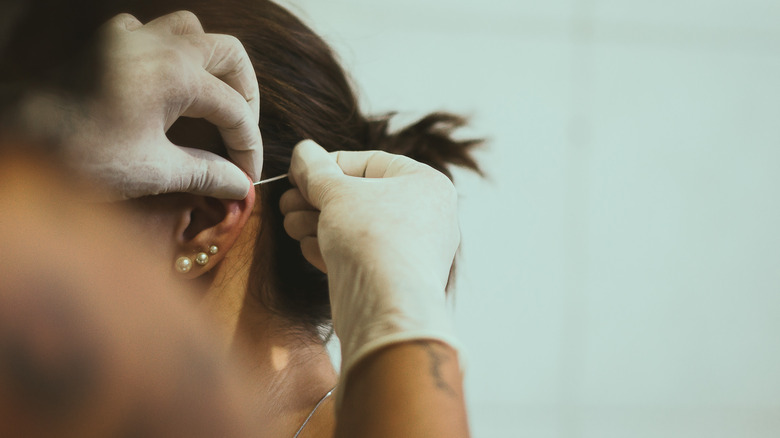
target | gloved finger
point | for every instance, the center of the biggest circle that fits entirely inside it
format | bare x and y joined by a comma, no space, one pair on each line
314,172
225,57
223,106
300,224
203,173
293,200
124,21
177,23
310,247
373,164
251,161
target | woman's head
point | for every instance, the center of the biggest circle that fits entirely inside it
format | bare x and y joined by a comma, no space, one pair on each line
304,94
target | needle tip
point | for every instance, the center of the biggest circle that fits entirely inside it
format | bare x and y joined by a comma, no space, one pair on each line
276,178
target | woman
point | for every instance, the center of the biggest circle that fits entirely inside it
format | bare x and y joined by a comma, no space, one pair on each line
271,305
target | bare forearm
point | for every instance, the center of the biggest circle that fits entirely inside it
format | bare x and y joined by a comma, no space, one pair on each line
412,389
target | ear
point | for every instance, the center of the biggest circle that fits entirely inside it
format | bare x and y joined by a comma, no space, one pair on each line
206,229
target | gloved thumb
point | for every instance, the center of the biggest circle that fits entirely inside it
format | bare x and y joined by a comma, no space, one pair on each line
206,174
315,172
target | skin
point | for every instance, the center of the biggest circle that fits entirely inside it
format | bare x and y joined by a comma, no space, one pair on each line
98,337
288,372
130,345
93,340
385,229
411,389
418,381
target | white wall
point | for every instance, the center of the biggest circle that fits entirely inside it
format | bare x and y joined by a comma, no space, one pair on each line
621,269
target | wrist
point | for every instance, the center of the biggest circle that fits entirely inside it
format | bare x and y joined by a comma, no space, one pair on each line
375,309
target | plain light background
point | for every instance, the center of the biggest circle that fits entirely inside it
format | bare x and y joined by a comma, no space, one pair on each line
621,267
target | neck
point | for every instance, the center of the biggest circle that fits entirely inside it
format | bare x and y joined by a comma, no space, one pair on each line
289,371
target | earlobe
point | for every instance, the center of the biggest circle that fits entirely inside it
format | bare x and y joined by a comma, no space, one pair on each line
208,229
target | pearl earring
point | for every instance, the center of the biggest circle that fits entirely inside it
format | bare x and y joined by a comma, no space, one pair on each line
202,258
183,265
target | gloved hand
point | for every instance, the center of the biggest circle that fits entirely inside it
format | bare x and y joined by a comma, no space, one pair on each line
154,74
384,227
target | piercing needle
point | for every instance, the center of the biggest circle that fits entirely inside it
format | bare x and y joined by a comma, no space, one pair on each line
276,178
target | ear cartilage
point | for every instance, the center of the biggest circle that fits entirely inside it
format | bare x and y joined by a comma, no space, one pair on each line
202,258
276,178
183,265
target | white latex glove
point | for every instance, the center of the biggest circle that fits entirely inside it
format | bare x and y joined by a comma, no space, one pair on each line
384,227
154,74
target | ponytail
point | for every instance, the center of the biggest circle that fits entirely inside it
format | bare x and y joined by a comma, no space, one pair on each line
429,141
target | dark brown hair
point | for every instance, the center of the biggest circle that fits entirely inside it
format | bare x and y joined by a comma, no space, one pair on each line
304,93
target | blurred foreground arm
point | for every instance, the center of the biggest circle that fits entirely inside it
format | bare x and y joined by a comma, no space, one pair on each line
384,227
153,74
93,343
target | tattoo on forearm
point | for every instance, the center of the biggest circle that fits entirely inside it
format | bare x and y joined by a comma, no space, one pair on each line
437,360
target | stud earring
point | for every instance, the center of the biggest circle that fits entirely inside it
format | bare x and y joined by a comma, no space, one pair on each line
202,258
213,249
183,265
